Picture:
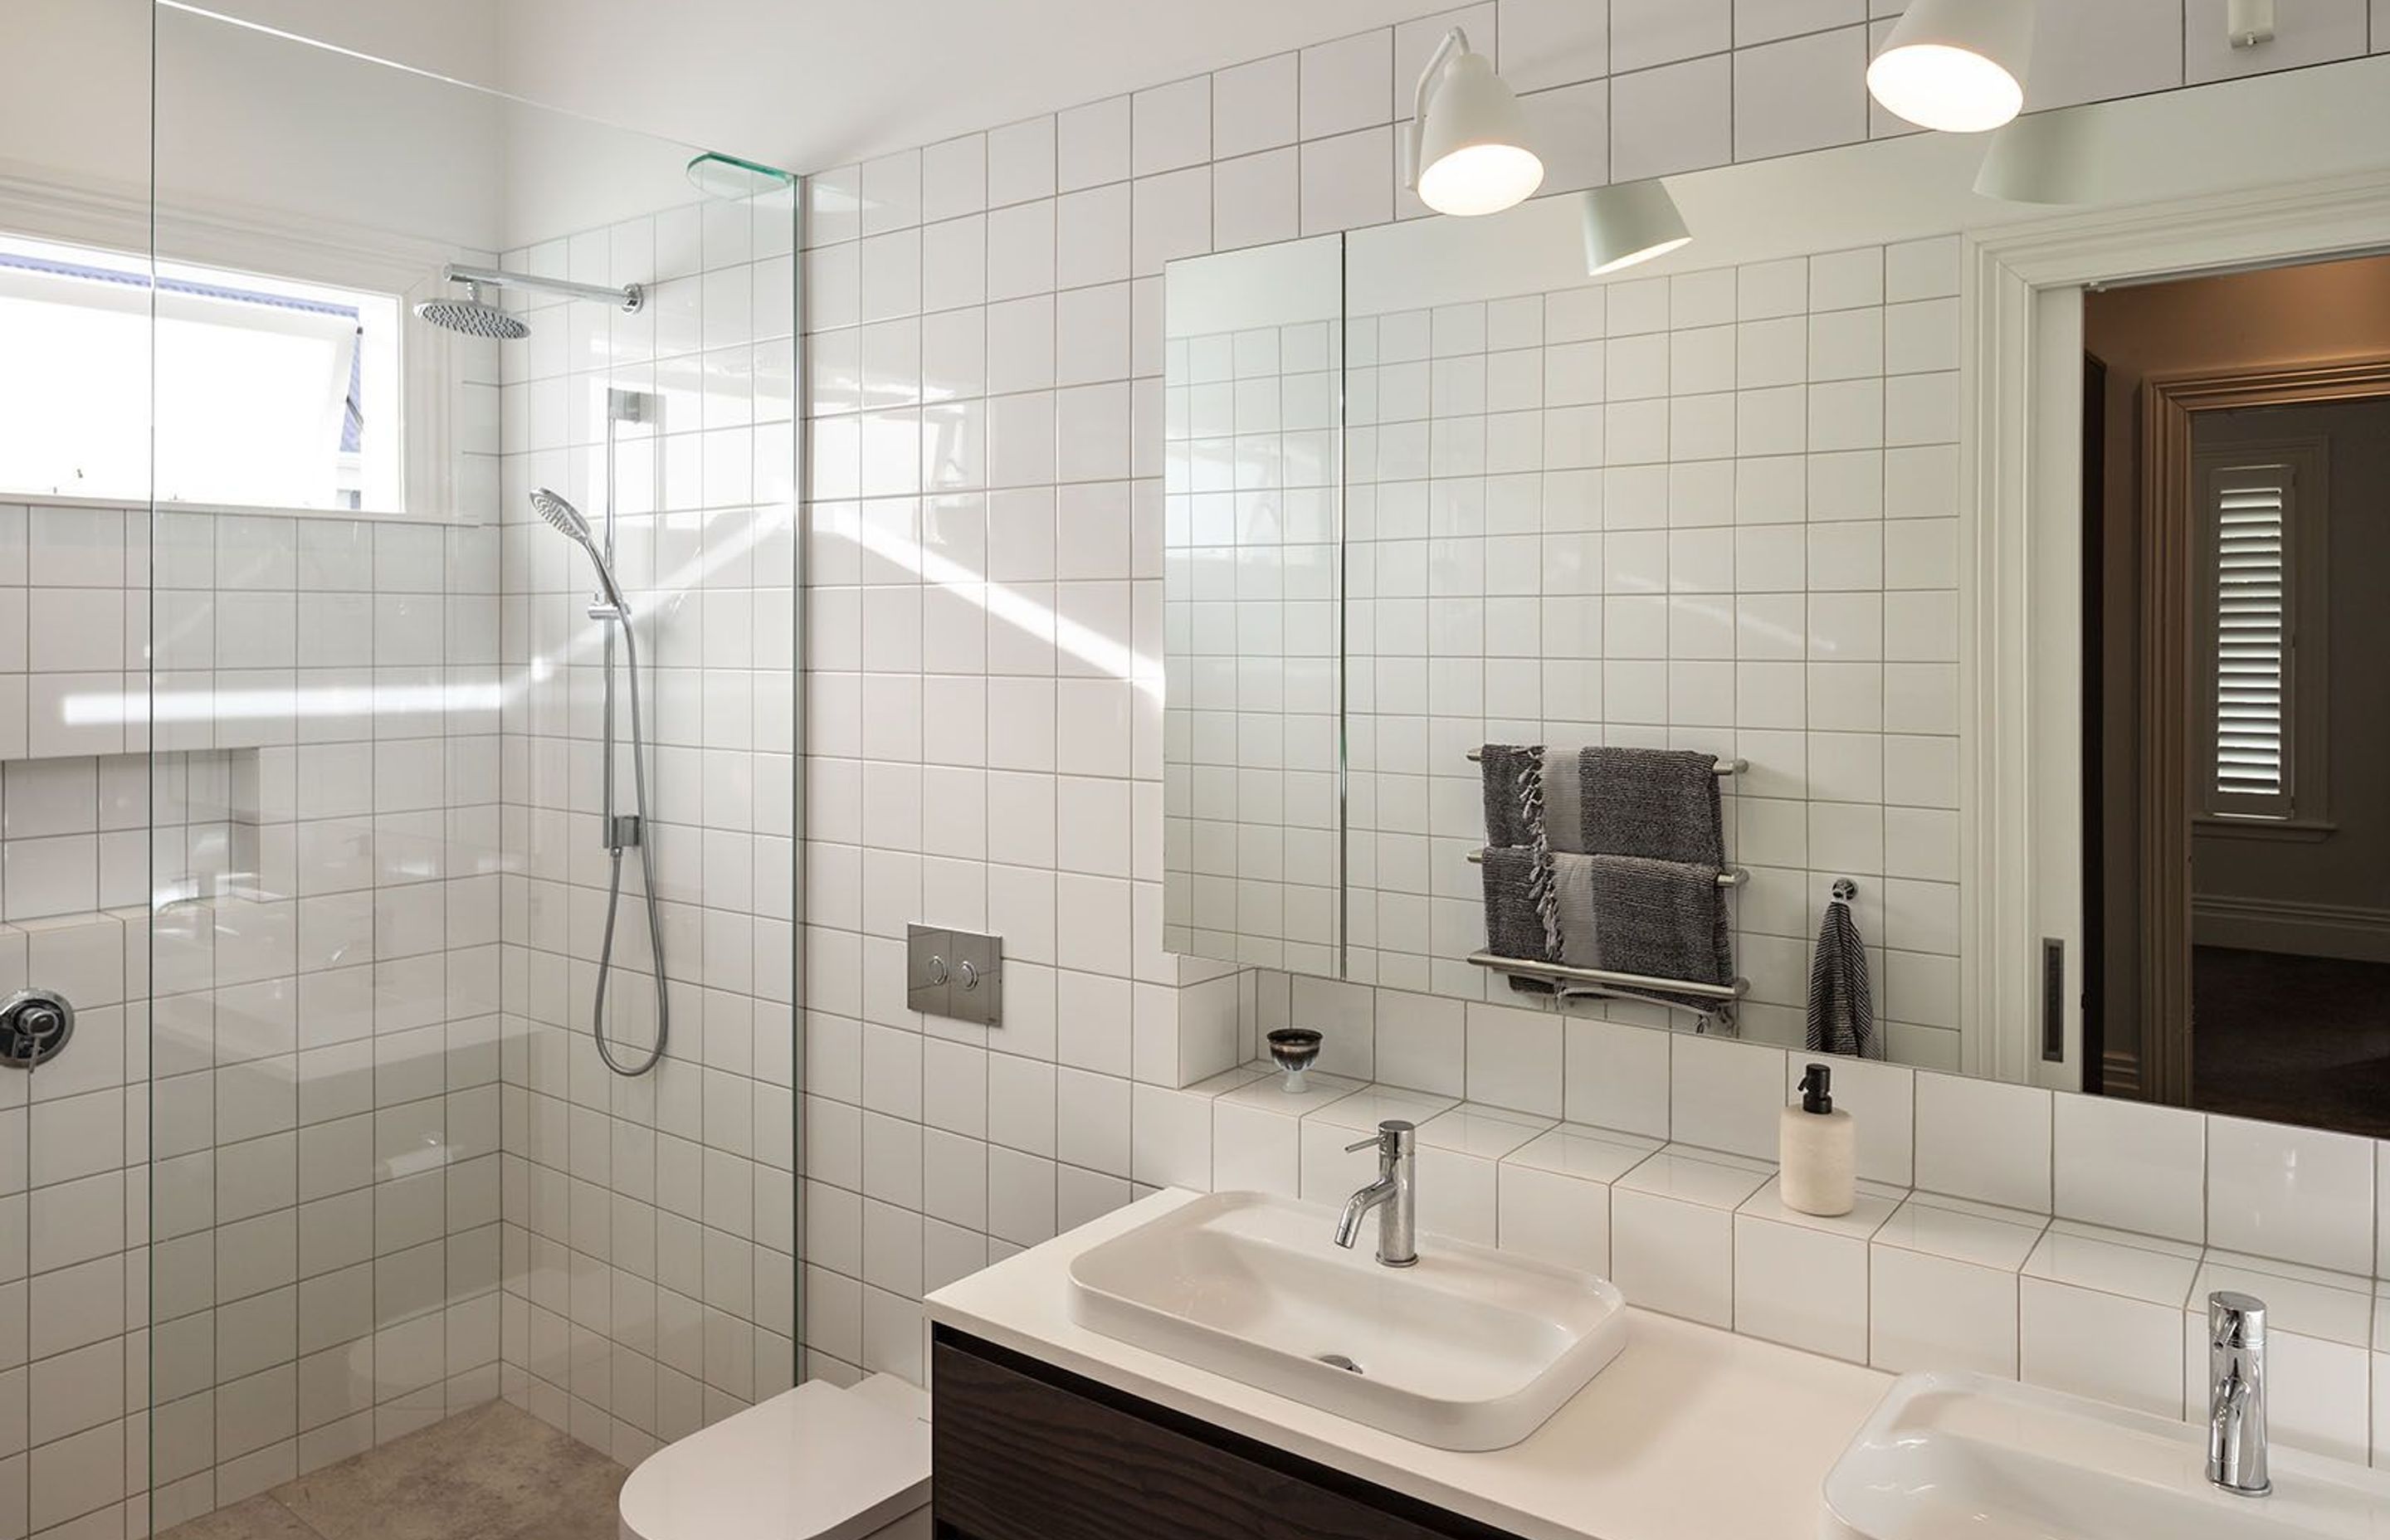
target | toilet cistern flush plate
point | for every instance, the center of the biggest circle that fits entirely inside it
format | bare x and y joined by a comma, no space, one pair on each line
1992,1459
1470,1348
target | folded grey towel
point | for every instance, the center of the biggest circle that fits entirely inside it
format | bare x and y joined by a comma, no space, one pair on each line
1564,799
1664,919
1659,804
1514,920
1509,770
1841,1006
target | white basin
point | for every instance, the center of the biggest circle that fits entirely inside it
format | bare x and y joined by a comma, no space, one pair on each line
1470,1349
1991,1460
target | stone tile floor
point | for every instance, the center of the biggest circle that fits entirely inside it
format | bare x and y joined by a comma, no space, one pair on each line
495,1472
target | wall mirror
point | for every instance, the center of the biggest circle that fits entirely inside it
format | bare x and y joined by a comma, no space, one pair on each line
1988,515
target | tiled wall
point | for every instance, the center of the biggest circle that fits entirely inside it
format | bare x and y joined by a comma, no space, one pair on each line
2067,1241
74,834
984,342
256,1198
1712,511
652,1223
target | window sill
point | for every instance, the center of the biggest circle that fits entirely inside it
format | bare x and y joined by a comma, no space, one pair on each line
263,510
2291,831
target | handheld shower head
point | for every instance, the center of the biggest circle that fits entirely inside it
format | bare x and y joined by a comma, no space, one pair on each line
551,505
567,520
474,317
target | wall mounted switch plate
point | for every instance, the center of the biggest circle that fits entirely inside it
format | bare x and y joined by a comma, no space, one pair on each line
957,974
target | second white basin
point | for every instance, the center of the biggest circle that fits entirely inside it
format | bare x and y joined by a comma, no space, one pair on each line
1470,1349
1991,1460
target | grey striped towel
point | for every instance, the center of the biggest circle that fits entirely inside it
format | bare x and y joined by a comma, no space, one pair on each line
1513,791
1841,1008
1661,919
1514,925
1507,769
1660,803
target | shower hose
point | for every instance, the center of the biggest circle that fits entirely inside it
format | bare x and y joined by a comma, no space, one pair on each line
605,1050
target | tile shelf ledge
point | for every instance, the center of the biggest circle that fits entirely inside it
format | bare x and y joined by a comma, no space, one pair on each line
260,510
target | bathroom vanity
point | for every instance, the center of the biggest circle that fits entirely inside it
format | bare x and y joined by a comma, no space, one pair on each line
1024,1450
1046,1428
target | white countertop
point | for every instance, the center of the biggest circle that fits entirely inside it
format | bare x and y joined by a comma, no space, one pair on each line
1690,1434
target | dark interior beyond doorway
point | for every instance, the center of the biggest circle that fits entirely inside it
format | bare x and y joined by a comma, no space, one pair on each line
2292,1039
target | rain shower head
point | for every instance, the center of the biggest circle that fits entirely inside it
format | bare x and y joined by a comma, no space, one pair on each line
474,317
567,520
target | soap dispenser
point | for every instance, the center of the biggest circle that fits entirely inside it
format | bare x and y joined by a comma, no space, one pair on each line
1819,1148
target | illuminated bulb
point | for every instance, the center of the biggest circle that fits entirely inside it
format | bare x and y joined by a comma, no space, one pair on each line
1469,137
1955,64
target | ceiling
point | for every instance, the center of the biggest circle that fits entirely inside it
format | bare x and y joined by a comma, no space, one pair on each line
810,84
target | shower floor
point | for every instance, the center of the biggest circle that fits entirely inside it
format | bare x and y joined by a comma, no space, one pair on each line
495,1472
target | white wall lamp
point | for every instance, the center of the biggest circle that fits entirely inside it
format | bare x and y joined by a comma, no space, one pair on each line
1955,64
2038,159
1467,144
1630,222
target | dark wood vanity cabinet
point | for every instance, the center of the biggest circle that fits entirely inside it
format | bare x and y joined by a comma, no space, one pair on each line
1025,1451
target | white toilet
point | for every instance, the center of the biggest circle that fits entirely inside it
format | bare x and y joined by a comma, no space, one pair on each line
814,1463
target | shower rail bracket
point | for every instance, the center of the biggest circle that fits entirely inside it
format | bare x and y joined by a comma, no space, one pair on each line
623,831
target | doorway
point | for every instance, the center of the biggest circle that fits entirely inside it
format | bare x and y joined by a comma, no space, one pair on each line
2240,886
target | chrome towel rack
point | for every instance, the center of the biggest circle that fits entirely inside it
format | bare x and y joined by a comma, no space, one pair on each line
1594,978
1723,767
1734,876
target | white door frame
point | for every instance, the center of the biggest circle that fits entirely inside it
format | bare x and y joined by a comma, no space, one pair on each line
2021,581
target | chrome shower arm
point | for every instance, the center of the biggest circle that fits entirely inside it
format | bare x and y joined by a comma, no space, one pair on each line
628,298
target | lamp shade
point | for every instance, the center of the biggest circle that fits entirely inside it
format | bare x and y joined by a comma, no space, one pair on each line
2041,159
1956,65
1472,155
1630,222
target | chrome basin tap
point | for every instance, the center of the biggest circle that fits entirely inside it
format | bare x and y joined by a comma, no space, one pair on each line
1393,1194
2236,1403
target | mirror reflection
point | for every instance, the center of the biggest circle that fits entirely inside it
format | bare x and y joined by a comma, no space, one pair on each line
1827,630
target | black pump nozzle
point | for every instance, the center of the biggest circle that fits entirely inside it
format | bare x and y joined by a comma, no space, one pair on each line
1816,1095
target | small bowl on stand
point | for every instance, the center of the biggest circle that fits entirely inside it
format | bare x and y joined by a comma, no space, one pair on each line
1295,1048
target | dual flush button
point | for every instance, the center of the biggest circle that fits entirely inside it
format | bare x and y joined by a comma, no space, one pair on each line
958,974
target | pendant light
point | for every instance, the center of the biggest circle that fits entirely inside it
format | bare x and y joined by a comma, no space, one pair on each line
2040,159
1955,64
1467,145
1630,222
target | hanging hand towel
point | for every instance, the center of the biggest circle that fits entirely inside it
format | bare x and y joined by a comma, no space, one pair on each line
1659,804
1841,1008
